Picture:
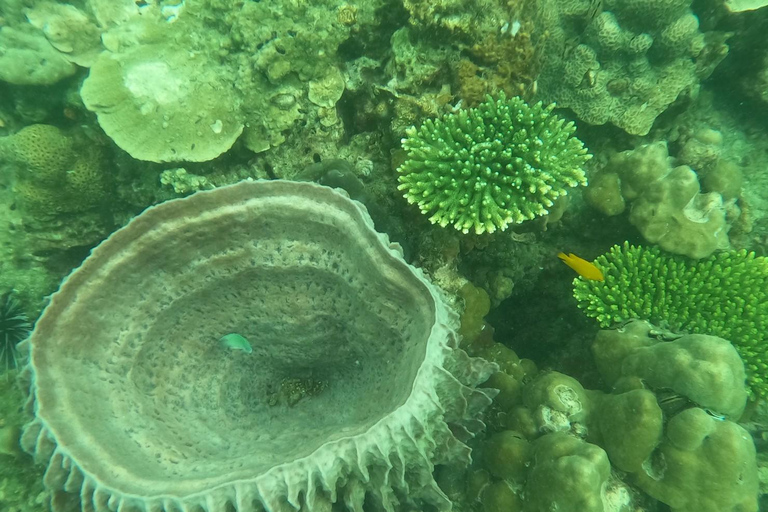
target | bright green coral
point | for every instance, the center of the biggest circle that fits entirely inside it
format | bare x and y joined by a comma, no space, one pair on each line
484,168
723,295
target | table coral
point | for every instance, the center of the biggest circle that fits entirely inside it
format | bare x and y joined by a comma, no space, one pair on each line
723,295
163,108
172,421
482,169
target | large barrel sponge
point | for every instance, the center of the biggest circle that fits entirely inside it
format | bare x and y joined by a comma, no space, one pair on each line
353,391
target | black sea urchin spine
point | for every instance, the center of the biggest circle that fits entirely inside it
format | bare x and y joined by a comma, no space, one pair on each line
14,327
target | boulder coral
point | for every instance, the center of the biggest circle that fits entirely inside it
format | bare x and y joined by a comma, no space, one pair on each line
558,446
624,61
354,389
668,206
722,295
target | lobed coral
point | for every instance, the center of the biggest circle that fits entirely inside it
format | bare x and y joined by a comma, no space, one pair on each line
697,458
668,206
482,169
630,62
665,425
722,295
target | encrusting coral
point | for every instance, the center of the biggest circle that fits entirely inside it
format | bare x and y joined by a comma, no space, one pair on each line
484,168
723,295
354,389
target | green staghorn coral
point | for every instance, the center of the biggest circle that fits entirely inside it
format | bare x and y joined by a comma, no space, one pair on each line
484,168
723,295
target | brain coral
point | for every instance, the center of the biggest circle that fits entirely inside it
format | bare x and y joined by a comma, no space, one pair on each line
484,168
354,388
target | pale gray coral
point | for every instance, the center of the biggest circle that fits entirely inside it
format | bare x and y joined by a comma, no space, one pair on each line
633,59
27,58
668,206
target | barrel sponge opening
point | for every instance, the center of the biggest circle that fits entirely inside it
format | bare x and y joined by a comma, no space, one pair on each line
138,406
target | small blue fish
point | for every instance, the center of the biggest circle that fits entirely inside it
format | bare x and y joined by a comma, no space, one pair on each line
235,341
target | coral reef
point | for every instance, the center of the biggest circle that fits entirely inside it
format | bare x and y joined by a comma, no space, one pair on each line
337,321
624,61
554,445
668,206
110,106
722,295
484,168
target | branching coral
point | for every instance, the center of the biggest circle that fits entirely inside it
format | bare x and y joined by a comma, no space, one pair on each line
723,295
481,169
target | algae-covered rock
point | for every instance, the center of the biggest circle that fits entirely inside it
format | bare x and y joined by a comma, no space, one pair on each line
704,464
161,103
27,58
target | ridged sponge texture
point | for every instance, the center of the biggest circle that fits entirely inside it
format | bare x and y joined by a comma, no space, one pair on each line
354,389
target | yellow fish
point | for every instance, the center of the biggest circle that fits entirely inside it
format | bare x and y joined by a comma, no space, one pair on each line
584,268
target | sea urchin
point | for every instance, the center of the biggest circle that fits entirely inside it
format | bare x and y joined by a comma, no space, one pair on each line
14,327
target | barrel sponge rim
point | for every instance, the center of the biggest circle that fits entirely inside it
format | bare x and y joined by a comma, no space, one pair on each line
391,462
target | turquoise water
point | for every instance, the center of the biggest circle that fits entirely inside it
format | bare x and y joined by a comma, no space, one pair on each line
373,194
